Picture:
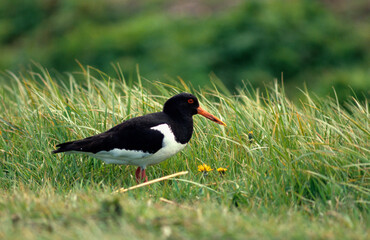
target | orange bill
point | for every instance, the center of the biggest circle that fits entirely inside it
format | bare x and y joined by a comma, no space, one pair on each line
206,114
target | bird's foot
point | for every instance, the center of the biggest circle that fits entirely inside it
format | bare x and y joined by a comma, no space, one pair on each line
140,175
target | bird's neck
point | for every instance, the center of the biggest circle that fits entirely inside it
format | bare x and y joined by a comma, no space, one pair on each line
182,127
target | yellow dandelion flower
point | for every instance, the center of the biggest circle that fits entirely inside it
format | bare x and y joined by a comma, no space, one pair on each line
204,168
221,170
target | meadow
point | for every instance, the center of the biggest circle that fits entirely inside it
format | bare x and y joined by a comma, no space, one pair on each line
294,170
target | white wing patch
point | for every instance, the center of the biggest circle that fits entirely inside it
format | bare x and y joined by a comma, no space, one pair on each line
139,158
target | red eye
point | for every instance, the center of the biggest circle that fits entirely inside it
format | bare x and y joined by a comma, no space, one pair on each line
191,101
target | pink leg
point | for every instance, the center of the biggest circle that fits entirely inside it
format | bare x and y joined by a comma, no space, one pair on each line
137,174
143,175
140,175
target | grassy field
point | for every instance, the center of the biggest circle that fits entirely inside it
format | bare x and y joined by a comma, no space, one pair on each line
294,171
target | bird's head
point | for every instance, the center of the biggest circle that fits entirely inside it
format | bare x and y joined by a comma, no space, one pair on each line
186,104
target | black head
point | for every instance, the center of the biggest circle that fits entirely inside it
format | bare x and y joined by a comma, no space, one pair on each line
185,105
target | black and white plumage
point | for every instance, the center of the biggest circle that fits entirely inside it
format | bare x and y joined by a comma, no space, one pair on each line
146,140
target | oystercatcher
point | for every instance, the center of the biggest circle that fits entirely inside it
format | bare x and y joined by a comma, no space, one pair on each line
145,140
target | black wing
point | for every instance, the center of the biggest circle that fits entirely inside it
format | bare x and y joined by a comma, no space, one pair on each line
133,134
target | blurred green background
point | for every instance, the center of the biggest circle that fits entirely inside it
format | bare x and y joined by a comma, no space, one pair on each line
318,43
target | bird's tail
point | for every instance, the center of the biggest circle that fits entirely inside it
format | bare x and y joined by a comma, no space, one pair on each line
64,147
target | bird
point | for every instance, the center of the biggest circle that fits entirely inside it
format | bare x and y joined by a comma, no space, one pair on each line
145,140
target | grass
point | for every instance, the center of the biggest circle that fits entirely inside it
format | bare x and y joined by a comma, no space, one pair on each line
302,174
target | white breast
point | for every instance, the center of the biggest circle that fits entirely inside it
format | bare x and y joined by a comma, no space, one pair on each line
138,158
